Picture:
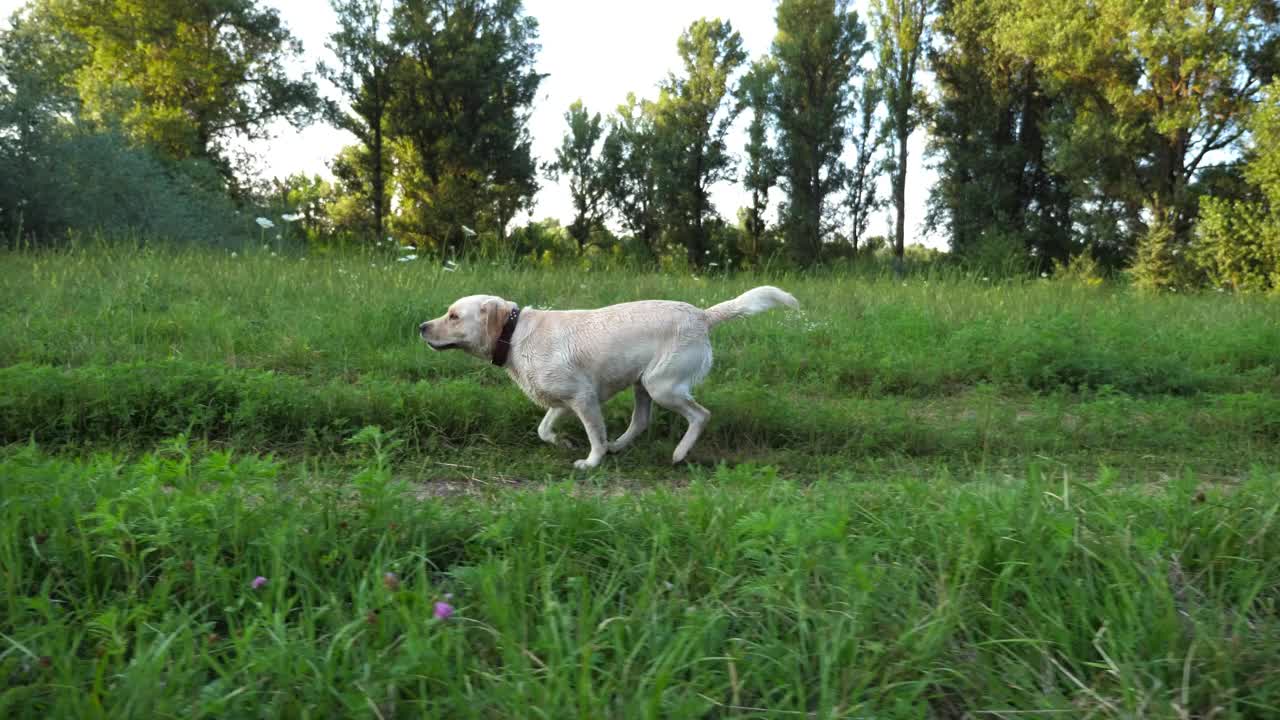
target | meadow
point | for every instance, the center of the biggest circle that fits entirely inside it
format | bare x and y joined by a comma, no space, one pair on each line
238,485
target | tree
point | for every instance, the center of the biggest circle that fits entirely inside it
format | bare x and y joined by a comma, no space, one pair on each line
629,171
1237,241
464,88
363,76
1157,89
37,61
995,183
184,76
576,158
349,211
755,93
694,113
863,199
60,173
900,38
817,50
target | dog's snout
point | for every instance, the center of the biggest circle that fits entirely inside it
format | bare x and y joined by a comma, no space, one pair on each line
424,327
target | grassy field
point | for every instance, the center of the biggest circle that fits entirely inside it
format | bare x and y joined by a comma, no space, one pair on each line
941,497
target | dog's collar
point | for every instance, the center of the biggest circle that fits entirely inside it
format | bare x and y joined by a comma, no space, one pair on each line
502,348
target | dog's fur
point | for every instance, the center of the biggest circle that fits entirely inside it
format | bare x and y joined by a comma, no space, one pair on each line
575,360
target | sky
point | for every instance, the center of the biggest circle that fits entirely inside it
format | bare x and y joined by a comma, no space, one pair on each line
593,50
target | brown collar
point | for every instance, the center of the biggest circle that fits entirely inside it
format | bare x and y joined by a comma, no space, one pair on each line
502,348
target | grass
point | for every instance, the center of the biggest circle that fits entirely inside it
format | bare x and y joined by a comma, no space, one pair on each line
352,318
936,498
131,581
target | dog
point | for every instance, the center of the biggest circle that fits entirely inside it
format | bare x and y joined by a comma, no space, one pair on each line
576,360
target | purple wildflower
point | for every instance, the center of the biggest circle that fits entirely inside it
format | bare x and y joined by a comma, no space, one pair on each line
443,610
258,582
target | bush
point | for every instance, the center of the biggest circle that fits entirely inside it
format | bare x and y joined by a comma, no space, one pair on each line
67,180
1080,269
1237,245
997,254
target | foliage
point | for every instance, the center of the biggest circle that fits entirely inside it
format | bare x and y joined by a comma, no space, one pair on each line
1155,90
760,173
1131,130
817,51
183,78
988,135
900,31
692,115
1081,269
863,199
997,254
576,159
64,180
629,171
1237,242
1237,245
1263,168
366,63
464,86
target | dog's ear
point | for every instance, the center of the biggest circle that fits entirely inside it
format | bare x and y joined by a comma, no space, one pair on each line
495,316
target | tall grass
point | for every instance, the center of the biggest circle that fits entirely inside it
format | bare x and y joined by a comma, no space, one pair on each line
936,498
138,404
128,592
354,316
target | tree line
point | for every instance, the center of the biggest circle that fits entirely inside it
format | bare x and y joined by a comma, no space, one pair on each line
1129,134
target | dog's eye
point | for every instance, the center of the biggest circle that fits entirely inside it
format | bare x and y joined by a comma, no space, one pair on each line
453,316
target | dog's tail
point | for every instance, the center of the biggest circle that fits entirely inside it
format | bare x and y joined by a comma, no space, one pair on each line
750,303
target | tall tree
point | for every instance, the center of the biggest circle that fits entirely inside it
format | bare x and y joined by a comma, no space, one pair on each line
755,93
694,113
629,171
363,75
900,36
184,76
464,89
576,158
1157,87
38,61
987,133
817,50
863,199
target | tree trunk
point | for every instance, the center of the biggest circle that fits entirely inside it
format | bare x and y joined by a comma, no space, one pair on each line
379,183
900,200
815,210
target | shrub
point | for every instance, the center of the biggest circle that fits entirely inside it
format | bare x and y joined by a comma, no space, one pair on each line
1238,245
68,180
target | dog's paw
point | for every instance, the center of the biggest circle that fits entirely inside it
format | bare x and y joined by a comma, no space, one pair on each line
584,464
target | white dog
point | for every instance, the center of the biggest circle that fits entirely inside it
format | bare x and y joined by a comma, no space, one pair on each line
578,359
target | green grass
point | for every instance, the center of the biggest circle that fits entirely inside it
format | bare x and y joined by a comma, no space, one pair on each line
130,582
936,498
356,317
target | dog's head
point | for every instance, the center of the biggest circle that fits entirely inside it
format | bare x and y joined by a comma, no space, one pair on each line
472,323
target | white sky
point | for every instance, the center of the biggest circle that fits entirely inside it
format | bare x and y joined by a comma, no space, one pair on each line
596,50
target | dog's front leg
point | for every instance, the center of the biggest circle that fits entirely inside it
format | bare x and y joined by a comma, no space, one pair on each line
587,408
546,429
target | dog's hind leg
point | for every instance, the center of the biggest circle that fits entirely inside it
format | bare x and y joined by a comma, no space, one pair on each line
680,401
671,386
639,420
